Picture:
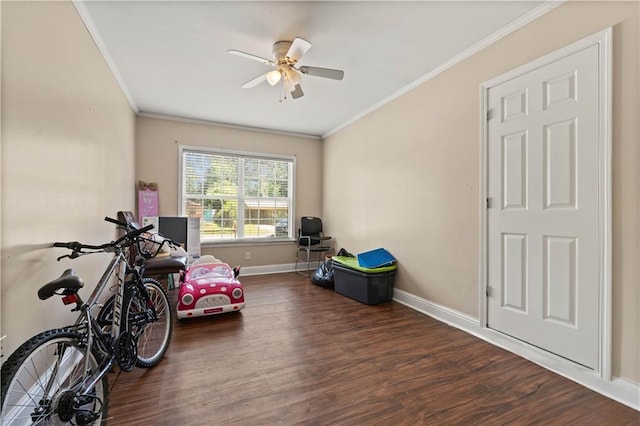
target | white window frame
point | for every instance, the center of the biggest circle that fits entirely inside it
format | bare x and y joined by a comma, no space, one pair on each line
246,154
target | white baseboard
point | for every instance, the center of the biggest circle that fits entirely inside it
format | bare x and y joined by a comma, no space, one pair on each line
272,269
618,389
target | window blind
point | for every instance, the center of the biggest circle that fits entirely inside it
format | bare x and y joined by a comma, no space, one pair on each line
237,196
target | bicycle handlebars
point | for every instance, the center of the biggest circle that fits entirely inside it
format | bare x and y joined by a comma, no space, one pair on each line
129,237
115,221
73,245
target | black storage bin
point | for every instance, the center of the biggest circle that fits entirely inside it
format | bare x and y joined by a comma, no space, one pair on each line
369,288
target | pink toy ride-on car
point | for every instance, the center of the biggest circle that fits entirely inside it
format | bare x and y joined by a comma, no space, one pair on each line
210,289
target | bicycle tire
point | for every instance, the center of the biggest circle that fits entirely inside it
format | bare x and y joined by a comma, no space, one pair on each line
55,359
153,338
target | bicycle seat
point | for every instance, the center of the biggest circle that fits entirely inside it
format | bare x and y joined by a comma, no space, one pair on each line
68,280
165,265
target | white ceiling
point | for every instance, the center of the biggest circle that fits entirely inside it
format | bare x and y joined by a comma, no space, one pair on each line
171,57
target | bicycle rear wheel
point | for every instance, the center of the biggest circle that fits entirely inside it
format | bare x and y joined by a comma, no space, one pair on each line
152,328
42,382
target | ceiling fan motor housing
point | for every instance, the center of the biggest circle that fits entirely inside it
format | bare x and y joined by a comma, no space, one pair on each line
280,49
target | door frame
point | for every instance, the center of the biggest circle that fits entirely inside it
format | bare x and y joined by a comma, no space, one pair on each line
604,41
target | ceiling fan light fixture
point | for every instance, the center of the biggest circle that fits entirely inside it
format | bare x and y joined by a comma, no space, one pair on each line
273,77
288,86
292,76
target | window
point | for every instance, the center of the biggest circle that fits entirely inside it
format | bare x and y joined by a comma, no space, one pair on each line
237,196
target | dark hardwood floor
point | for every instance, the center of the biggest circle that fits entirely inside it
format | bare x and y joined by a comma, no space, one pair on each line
300,354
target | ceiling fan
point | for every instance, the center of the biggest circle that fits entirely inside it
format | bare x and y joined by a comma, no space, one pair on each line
286,56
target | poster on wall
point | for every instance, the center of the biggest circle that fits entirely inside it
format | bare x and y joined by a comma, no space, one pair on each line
147,200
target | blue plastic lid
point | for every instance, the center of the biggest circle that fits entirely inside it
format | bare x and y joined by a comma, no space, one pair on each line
376,258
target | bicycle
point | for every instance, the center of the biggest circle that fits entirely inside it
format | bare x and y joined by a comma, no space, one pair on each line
145,291
60,376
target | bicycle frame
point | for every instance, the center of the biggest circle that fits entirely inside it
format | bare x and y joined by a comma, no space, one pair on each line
93,330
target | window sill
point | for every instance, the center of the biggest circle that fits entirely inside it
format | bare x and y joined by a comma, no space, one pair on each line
245,243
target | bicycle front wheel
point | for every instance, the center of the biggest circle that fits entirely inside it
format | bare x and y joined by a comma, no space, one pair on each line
151,325
44,382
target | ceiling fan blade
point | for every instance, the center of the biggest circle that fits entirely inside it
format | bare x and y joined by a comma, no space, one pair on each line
253,83
297,92
298,48
252,57
322,72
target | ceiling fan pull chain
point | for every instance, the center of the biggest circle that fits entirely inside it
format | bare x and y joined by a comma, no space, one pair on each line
281,94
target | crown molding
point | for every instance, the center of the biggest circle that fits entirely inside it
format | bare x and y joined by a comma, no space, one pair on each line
482,44
225,125
85,17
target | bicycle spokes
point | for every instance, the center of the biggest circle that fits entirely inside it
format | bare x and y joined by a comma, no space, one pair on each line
47,382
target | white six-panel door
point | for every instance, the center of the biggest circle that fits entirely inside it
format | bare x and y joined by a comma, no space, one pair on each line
542,220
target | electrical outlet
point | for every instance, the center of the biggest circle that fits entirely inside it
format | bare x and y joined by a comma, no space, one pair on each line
247,255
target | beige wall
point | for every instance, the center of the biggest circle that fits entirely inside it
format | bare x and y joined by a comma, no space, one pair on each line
157,143
409,172
404,177
67,158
